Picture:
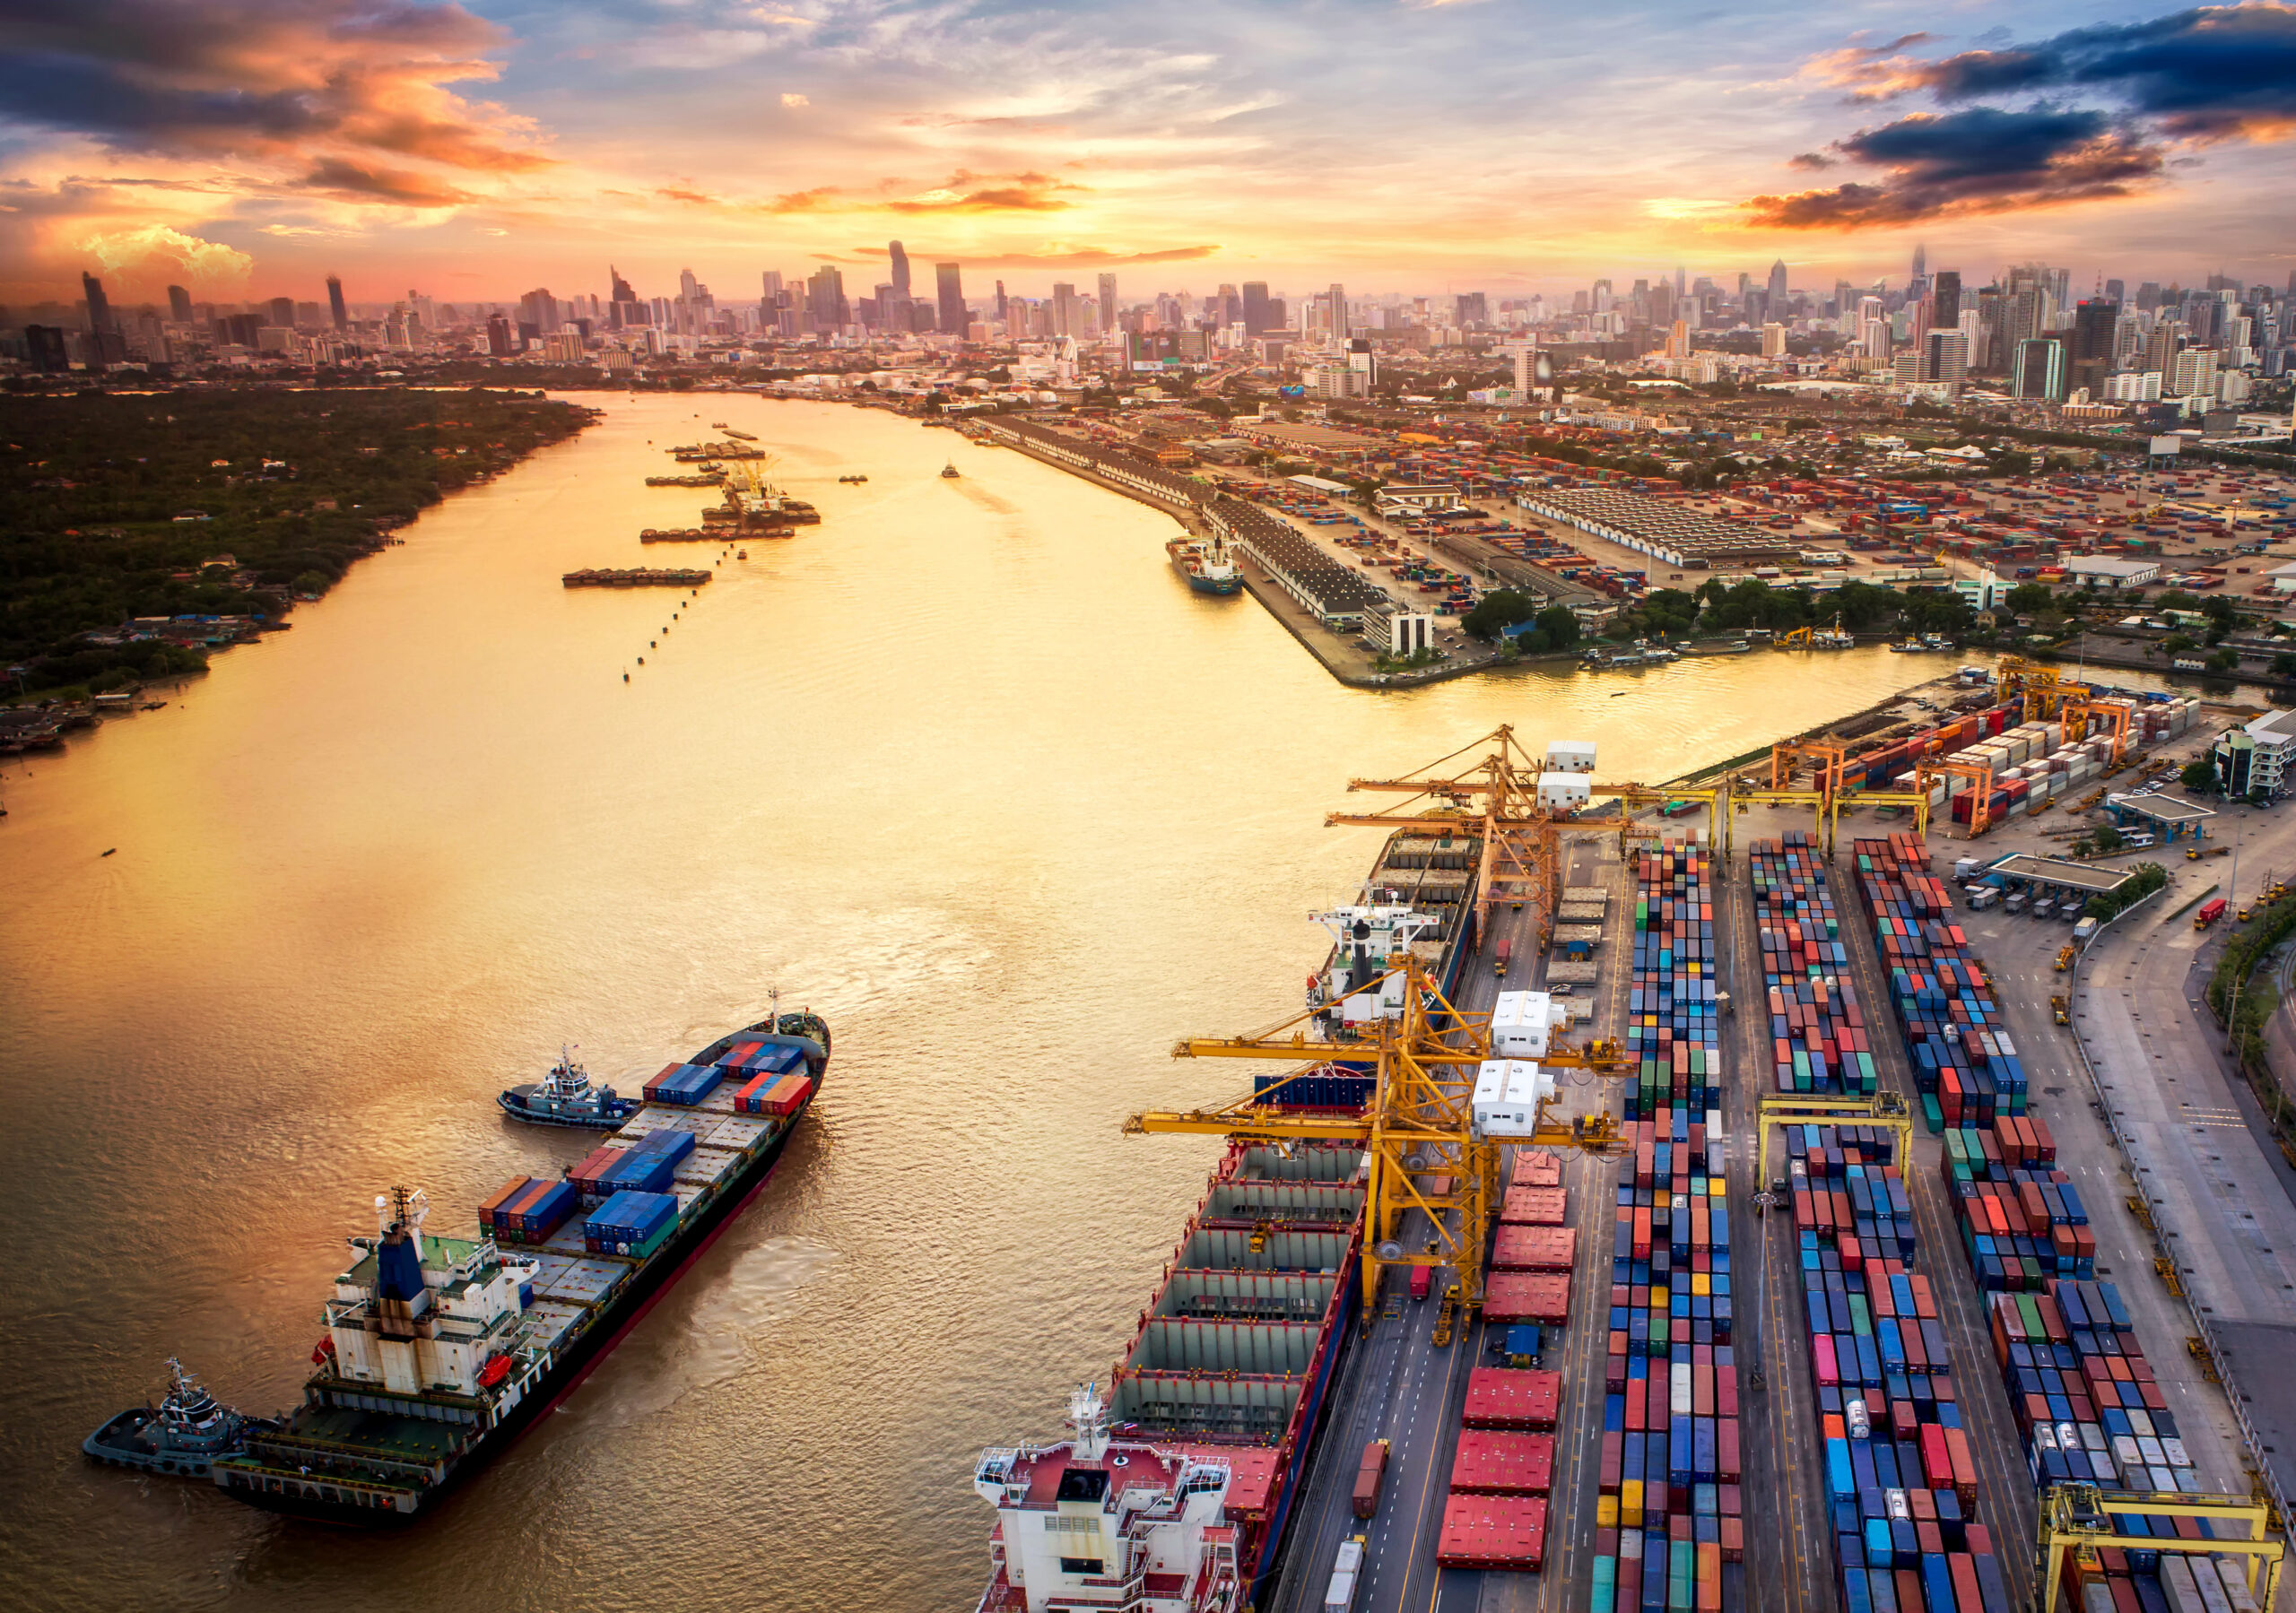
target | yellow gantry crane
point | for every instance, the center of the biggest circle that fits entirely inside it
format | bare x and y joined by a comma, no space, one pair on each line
2083,1521
1421,1118
1499,793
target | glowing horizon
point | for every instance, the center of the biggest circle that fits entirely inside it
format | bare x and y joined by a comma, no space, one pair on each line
473,153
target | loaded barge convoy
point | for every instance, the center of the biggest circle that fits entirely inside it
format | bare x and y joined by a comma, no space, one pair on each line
441,1350
1172,1492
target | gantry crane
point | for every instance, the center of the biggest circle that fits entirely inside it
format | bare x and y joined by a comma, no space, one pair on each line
1500,792
2080,1519
1424,1056
1928,774
1787,755
2080,714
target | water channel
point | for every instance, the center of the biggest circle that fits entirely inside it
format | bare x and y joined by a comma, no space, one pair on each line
966,769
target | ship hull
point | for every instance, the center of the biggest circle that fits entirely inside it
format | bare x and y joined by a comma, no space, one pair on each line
1272,1546
656,1278
1202,584
517,1109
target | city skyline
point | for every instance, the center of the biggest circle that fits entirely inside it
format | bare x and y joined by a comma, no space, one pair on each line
475,150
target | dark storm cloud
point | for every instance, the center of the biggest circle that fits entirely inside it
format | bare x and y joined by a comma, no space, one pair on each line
204,78
1974,161
2209,74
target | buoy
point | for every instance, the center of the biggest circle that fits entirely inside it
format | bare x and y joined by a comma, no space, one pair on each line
641,660
626,677
649,644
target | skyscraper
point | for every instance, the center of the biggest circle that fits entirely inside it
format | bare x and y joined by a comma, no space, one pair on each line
282,311
1107,303
1945,301
2095,323
825,299
1921,262
949,282
1255,295
179,305
1338,311
621,289
1001,304
1778,289
901,271
2038,369
99,318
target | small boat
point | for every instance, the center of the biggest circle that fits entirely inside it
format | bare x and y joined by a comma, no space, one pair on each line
183,1436
950,471
854,481
567,1098
740,554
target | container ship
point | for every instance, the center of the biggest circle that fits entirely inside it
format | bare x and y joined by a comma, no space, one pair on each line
440,1350
1208,568
1172,1492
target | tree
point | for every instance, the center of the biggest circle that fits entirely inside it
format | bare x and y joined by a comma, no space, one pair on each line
2175,643
2284,665
1500,609
2106,837
1559,626
2199,777
2225,661
2026,598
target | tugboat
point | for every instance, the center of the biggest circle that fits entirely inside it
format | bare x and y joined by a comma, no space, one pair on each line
567,1099
950,471
182,1439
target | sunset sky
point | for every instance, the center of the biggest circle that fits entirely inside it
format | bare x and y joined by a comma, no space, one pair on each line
477,151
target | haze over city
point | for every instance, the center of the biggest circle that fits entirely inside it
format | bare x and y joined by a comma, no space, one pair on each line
477,150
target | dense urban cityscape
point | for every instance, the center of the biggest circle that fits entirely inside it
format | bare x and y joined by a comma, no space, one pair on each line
662,938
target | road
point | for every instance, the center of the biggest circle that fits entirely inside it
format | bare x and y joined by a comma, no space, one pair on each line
2217,1186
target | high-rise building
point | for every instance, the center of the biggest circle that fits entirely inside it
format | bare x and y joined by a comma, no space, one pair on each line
1339,326
772,285
1921,262
334,303
949,282
1255,295
1945,301
1773,340
1003,304
282,311
499,339
99,306
539,309
1778,288
2039,371
47,349
2094,323
2194,374
179,305
1471,309
1947,357
620,287
1678,340
1107,303
894,250
826,303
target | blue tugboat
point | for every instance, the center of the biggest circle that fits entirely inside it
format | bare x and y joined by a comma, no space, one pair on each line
567,1099
183,1436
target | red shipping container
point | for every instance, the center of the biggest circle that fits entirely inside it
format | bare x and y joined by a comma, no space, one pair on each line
1542,1296
1496,1462
488,1213
1534,1249
1493,1531
1512,1397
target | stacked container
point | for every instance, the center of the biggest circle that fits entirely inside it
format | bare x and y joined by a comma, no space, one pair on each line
2083,1394
632,1224
774,1094
1669,1529
1901,1477
2022,1222
1965,1064
1817,1026
686,1084
528,1211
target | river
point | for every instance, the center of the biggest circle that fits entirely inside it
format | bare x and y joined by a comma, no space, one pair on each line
966,769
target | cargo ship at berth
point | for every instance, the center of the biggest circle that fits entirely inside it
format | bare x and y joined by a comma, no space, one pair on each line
440,1350
1208,568
1172,1492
